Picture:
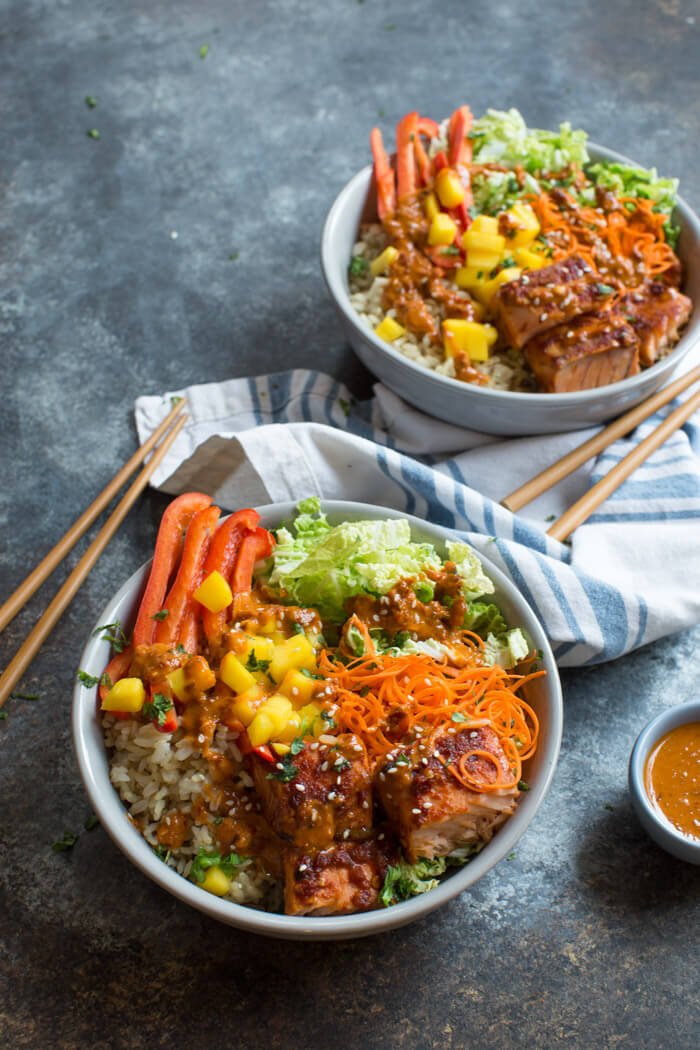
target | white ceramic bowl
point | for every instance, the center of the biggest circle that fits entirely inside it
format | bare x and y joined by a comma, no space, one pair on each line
544,695
654,823
483,408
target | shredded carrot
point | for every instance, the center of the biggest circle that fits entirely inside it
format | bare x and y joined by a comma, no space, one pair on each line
382,697
635,232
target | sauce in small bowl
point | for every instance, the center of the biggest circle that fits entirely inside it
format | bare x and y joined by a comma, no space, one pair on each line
672,778
664,780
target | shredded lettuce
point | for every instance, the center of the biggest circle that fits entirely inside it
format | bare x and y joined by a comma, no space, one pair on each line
323,566
627,181
484,619
475,582
507,649
502,137
404,880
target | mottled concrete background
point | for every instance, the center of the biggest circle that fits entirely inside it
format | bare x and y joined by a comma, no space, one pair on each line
586,938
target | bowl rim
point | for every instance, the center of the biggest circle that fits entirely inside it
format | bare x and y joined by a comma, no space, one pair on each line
91,756
663,722
341,298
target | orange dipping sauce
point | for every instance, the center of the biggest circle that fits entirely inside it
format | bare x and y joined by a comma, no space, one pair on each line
672,778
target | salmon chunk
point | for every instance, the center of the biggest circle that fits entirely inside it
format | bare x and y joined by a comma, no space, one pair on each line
656,313
542,299
590,351
321,794
430,811
344,878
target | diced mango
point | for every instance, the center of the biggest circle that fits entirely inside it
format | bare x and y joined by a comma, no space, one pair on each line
469,277
216,882
389,329
484,224
484,261
293,652
297,687
214,593
233,674
268,624
379,265
291,728
431,206
528,259
128,694
524,225
487,291
177,680
260,648
476,240
442,230
281,749
260,729
245,706
449,188
277,709
469,337
311,722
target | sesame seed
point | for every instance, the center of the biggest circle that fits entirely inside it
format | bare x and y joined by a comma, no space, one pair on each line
302,867
380,836
346,833
415,811
278,765
331,796
391,769
324,767
300,787
427,805
424,761
382,777
365,804
314,746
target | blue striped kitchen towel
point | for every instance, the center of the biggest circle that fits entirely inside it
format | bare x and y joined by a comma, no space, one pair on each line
630,574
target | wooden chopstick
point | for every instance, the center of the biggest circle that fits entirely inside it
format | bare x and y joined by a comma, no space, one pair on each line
37,636
26,589
564,466
584,507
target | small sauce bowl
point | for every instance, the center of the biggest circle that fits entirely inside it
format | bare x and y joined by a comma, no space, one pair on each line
661,830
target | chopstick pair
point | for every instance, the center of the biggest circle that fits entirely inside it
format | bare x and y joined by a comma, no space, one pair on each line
591,500
170,427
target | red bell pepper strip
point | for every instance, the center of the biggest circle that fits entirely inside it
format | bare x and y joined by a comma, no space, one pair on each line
245,747
406,134
439,161
175,520
115,669
170,722
189,575
428,127
257,545
222,558
459,150
383,175
425,166
436,254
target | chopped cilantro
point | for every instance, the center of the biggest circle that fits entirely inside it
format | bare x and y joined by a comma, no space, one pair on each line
160,616
551,517
357,266
113,634
233,256
88,680
204,51
328,719
511,856
309,674
24,696
3,714
93,133
522,786
296,745
608,806
286,771
340,765
179,648
66,843
253,664
218,820
402,760
298,629
106,681
451,249
605,289
157,710
390,27
458,717
90,101
91,822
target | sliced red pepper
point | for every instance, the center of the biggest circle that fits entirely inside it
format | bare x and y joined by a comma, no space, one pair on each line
115,669
439,161
459,146
265,752
222,558
175,520
425,166
428,127
437,256
170,722
179,599
256,545
406,134
384,176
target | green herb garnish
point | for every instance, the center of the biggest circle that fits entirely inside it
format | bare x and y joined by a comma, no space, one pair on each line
204,51
296,745
113,634
328,719
24,696
160,616
67,842
90,101
88,680
3,714
286,771
605,289
358,266
458,717
451,249
253,664
158,709
522,786
93,133
233,256
91,822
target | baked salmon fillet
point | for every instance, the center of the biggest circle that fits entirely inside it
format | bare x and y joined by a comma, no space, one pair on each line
344,878
430,811
328,798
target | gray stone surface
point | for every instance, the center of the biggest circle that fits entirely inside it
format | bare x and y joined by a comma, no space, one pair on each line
586,938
